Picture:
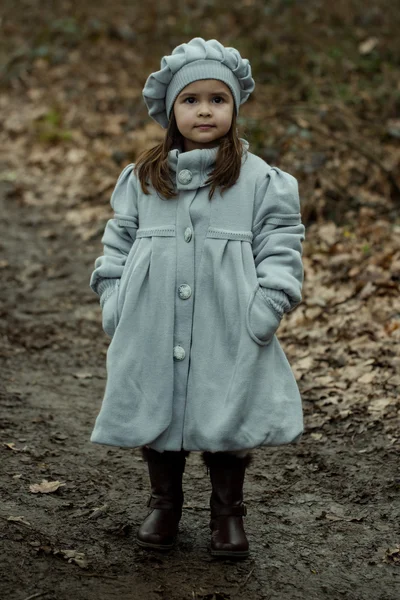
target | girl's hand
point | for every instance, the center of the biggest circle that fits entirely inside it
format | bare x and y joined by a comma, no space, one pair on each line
262,319
110,312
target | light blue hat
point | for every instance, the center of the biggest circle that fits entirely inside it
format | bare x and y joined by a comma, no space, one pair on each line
198,59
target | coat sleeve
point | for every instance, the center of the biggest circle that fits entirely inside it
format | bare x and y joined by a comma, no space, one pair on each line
118,237
278,234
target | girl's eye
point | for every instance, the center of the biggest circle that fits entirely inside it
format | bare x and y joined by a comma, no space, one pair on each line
193,98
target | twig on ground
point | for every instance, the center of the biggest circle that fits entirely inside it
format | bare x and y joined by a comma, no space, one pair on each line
242,585
36,595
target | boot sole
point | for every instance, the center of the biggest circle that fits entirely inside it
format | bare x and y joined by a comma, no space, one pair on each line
155,546
232,554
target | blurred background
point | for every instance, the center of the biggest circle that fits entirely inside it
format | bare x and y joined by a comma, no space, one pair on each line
326,105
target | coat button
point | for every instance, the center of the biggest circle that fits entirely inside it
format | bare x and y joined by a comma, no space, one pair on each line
188,234
185,176
179,353
185,291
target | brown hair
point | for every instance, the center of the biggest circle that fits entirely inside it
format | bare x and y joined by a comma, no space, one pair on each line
152,165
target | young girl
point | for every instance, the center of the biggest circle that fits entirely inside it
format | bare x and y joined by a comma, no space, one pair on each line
201,260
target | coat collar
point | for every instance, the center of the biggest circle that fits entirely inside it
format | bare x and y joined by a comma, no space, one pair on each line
192,169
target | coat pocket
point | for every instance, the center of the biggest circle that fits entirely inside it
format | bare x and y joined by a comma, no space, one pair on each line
261,320
110,311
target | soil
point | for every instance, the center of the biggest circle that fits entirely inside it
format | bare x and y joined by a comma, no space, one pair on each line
323,515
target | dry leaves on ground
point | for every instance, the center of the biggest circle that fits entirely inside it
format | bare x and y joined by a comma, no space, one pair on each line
45,487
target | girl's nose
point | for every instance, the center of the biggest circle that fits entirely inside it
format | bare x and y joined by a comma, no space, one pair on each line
204,110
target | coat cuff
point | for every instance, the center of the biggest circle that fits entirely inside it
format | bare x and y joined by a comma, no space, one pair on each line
277,299
105,289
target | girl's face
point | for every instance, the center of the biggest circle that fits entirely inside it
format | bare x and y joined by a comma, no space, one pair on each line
204,102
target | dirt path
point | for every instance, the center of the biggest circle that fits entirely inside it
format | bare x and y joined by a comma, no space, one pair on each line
322,518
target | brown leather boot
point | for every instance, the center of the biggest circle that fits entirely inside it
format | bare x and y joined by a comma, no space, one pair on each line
227,471
160,527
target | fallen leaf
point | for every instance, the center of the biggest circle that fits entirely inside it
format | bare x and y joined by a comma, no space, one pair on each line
329,516
378,404
70,555
97,512
333,517
45,487
367,377
392,555
12,446
325,380
83,375
60,436
19,519
368,45
305,363
73,556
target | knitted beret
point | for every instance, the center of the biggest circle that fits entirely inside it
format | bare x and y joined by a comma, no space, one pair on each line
198,59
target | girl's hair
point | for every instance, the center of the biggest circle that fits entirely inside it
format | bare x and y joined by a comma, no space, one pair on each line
152,165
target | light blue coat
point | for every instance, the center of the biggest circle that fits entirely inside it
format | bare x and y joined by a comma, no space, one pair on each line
192,293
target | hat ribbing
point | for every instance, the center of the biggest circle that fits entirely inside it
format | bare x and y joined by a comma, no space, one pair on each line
198,59
201,69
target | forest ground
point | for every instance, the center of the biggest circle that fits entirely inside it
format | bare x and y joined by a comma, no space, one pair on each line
322,515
